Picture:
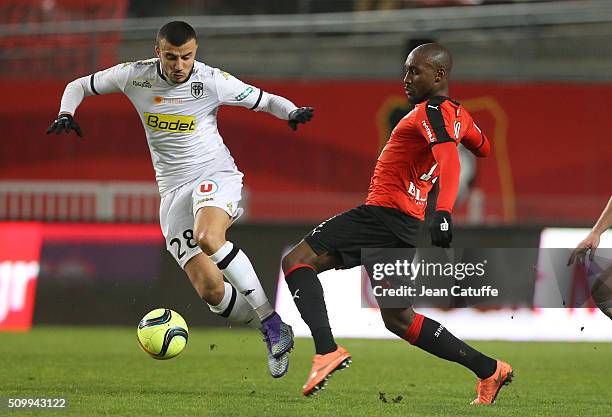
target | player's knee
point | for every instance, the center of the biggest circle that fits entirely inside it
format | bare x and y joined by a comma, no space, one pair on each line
398,321
289,261
293,259
209,241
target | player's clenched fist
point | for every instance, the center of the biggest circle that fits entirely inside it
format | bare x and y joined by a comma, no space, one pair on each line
64,122
441,229
300,115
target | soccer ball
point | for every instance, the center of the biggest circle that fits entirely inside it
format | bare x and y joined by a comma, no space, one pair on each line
162,333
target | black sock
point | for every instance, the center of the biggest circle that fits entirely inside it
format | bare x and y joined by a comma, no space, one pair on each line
307,295
432,337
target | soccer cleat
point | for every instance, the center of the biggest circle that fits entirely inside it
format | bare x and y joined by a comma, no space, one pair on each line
489,388
323,366
277,335
278,366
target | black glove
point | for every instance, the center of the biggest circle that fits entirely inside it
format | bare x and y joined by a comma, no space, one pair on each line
300,115
441,229
64,122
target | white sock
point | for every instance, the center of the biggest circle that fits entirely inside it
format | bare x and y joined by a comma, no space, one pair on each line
238,270
239,311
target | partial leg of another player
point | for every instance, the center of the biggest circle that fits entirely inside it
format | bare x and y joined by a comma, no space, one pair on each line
601,291
301,267
210,226
434,338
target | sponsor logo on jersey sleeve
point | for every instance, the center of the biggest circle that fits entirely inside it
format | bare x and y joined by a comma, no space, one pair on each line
170,123
207,187
197,89
430,135
226,75
244,94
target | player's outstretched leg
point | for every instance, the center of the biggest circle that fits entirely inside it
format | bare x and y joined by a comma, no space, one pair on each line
211,224
224,300
301,266
237,267
434,338
235,307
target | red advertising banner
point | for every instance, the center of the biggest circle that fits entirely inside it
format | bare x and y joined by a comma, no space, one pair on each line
20,245
20,259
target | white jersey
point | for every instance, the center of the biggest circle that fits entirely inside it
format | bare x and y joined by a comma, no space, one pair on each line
180,120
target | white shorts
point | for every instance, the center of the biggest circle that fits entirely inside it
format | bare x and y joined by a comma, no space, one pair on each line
219,187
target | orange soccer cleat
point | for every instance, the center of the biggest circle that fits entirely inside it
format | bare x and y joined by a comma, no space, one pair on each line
323,366
489,388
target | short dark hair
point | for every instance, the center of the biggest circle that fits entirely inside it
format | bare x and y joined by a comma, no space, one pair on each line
177,33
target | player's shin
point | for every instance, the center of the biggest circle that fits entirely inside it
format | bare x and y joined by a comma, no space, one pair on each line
235,308
307,295
434,338
238,270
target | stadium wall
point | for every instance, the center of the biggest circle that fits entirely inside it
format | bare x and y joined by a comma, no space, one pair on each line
93,274
111,274
549,163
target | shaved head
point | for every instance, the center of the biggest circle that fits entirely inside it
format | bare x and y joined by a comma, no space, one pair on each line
435,55
427,68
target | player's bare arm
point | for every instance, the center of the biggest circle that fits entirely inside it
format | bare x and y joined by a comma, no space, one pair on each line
591,242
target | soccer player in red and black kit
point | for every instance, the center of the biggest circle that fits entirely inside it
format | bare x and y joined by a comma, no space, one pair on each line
422,150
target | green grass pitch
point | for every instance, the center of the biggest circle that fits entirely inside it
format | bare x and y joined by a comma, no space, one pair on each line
102,372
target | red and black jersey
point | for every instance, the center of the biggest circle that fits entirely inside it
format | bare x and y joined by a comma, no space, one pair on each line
422,149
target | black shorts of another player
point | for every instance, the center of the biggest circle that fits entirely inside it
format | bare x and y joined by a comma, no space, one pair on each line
365,226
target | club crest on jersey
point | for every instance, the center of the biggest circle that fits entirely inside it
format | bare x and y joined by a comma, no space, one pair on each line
207,187
197,89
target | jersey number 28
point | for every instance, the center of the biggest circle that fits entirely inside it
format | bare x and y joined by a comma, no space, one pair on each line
189,241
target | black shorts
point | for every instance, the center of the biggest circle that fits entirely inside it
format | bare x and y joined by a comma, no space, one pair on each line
363,227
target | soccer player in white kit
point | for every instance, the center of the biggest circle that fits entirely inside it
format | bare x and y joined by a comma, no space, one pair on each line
177,99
